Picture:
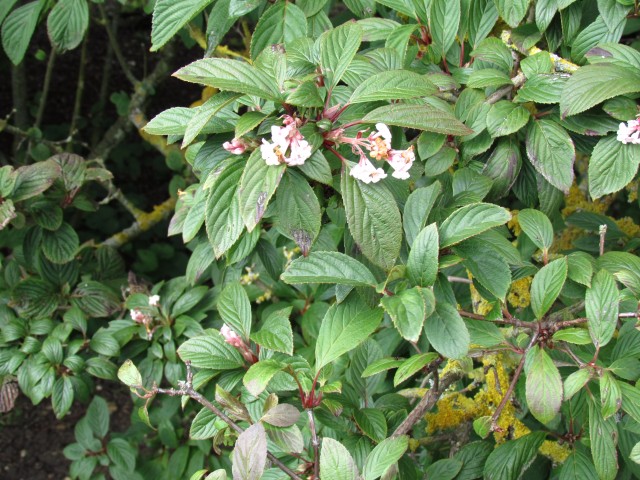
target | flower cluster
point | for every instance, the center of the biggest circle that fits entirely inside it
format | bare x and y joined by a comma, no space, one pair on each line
236,341
287,144
630,132
143,318
237,146
379,145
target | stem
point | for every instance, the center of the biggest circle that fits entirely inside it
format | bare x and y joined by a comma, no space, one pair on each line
603,234
351,124
45,87
116,47
459,280
316,444
337,154
104,85
512,385
79,90
186,388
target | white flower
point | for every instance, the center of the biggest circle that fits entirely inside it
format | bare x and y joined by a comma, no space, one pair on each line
366,172
236,146
300,151
401,162
271,153
380,142
154,300
285,139
630,132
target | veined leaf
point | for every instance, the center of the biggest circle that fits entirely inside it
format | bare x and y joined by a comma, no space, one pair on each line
67,24
601,305
422,264
338,46
612,166
543,385
408,310
18,28
383,456
593,84
235,309
471,220
250,453
336,463
232,75
511,459
537,226
276,333
420,117
282,22
552,153
343,328
546,286
204,113
393,85
209,350
603,436
447,332
374,220
443,23
328,267
512,11
169,16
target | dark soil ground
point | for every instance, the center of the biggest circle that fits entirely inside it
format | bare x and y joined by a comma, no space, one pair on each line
32,439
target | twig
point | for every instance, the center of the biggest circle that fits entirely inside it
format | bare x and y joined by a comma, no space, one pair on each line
516,81
505,321
315,442
45,87
19,133
116,47
77,104
143,223
427,402
603,234
512,385
459,280
104,84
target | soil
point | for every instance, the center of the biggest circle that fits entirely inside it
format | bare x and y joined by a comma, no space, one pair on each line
32,439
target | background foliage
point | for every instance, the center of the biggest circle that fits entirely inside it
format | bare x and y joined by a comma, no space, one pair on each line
402,235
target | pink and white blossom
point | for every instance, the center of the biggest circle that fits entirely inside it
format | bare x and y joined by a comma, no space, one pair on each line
231,337
366,172
287,144
401,162
630,132
380,142
237,146
137,316
154,300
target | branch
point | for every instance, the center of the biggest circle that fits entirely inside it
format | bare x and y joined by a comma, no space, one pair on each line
316,444
186,388
427,403
45,87
143,222
116,47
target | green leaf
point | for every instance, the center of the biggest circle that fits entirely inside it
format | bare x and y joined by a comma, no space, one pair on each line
422,264
612,12
610,395
577,336
593,84
603,436
276,333
408,310
232,75
259,375
60,246
543,88
317,168
635,453
413,365
328,267
299,214
383,456
210,351
473,457
546,286
420,117
5,8
222,212
18,28
488,77
336,462
443,23
512,11
282,22
169,16
62,396
343,328
374,220
172,121
337,48
307,94
601,306
393,85
32,180
129,375
122,454
580,267
505,118
417,209
381,365
206,112
447,332
471,220
67,24
543,385
612,166
552,153
511,459
575,382
98,416
235,309
258,183
282,415
372,423
250,453
444,469
537,226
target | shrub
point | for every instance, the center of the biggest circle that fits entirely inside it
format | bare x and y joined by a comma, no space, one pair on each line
412,243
